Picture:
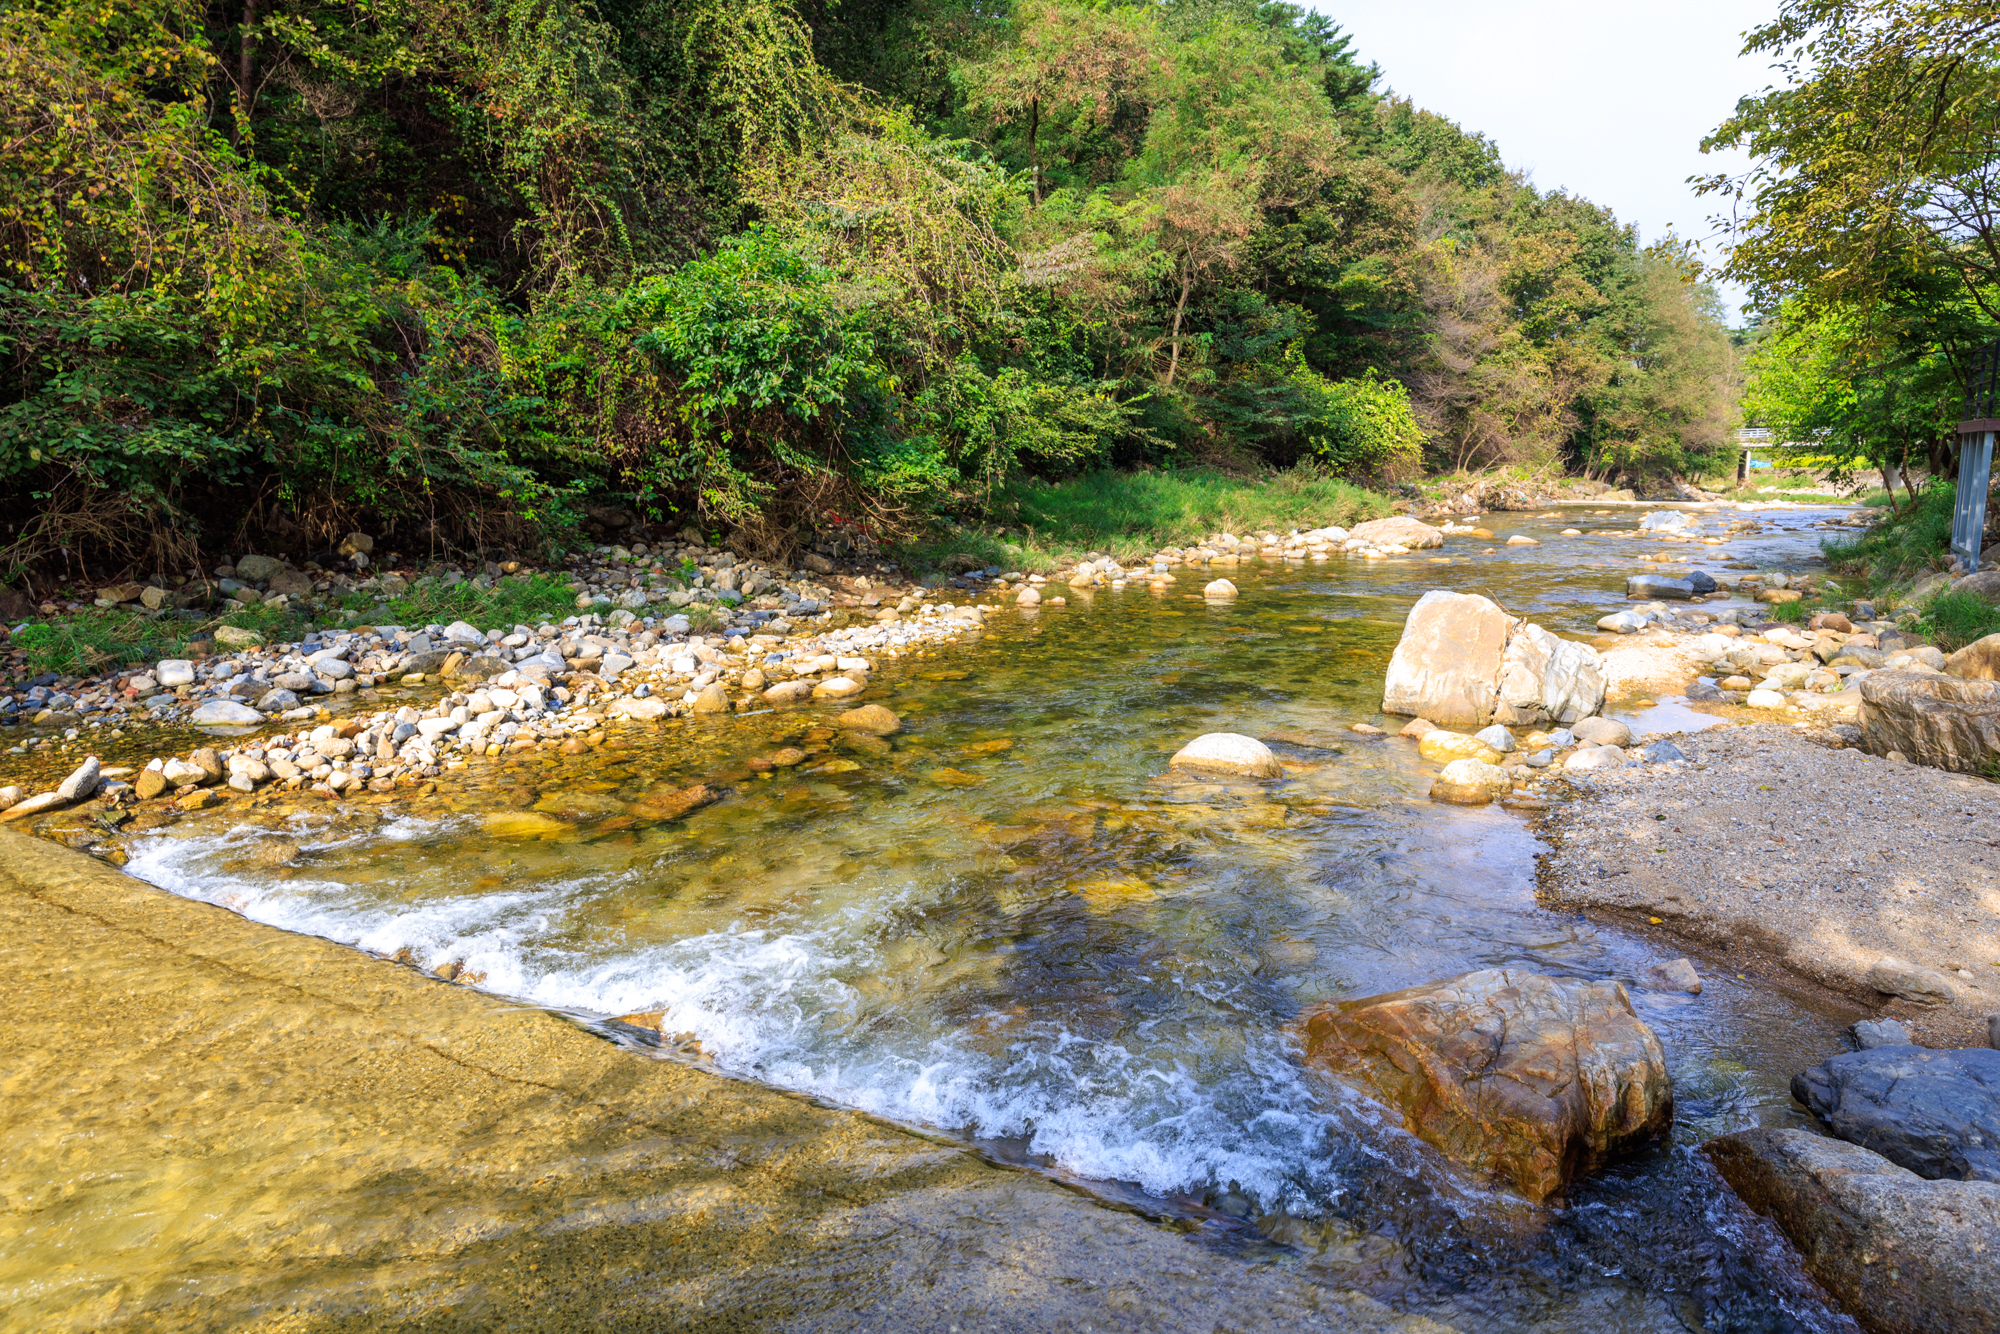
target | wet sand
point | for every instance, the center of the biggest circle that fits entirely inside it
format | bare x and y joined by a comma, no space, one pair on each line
212,1124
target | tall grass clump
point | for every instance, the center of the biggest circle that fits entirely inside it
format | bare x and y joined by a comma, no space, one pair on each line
1902,547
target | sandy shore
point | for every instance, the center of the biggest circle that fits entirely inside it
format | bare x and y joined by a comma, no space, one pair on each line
211,1124
1770,850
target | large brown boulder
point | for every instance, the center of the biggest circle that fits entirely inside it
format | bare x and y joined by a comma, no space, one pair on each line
1464,663
1942,721
1534,1080
1398,531
1903,1255
1977,661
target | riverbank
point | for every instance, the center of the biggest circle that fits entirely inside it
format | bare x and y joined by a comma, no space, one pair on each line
1873,878
212,1124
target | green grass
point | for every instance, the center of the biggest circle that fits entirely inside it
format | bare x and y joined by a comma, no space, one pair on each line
1789,611
93,640
1953,620
1133,514
1902,547
515,600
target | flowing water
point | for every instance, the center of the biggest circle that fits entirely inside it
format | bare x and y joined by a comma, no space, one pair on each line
1010,923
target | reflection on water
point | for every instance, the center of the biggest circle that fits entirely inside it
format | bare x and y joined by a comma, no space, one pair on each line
1009,922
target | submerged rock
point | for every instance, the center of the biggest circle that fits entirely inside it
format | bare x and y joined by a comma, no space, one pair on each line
1903,1255
1441,745
1533,1079
870,718
1464,662
1228,753
1936,1113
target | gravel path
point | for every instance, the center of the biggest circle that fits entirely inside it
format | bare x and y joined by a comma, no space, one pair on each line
1769,847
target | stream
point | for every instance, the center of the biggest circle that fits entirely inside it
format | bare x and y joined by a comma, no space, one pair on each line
1010,924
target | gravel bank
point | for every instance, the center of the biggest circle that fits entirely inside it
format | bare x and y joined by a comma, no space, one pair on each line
1824,861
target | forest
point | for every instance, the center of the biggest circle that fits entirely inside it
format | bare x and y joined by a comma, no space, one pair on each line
275,270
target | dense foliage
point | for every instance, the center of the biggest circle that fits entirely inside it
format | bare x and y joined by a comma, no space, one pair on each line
1868,229
272,269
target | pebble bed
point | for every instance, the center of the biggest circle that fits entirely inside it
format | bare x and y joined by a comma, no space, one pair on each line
1829,861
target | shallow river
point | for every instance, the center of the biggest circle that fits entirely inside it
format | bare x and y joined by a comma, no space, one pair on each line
1015,927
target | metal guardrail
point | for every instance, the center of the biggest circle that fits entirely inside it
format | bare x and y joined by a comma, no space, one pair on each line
1975,454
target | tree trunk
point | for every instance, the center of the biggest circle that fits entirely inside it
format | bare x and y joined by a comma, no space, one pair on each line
246,72
1180,307
1034,157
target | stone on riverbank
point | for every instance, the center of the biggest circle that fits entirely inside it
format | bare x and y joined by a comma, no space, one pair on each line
1658,588
1977,661
1219,590
1903,1255
1675,975
1936,1113
81,783
1398,531
1470,782
1462,662
1602,732
1899,977
1939,721
1228,753
639,710
1534,1079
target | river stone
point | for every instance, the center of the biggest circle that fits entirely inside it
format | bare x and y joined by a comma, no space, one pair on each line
1470,783
872,718
1443,746
224,712
1663,752
1028,597
1397,531
1675,975
1622,623
1658,587
1602,732
1977,661
1940,721
1901,1254
235,636
1594,757
1462,662
1219,590
149,784
1899,977
1935,1112
81,782
46,801
256,569
277,701
1498,737
1674,522
673,803
1869,1033
712,699
1228,753
172,673
836,687
641,710
1533,1079
1702,582
788,692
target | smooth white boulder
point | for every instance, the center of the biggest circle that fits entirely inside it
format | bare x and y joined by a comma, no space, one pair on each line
1219,589
173,673
1464,663
225,712
1228,753
1471,783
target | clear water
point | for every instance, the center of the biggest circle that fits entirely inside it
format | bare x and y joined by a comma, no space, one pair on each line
1017,927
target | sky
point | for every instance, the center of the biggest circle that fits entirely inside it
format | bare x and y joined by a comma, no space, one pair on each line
1607,99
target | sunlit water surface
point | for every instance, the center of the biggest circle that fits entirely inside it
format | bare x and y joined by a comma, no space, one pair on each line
1012,924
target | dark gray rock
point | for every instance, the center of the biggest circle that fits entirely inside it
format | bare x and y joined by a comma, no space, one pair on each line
1901,1254
1872,1033
1936,1113
1702,581
277,701
1663,752
1704,691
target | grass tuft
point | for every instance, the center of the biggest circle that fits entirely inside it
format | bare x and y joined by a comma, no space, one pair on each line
1953,620
92,640
515,600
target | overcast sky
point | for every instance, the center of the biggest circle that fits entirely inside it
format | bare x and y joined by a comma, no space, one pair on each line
1607,99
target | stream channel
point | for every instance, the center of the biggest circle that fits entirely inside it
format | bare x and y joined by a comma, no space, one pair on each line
1016,928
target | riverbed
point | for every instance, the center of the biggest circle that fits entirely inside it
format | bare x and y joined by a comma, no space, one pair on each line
1010,924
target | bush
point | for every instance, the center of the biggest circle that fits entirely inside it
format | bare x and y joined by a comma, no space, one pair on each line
1363,427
